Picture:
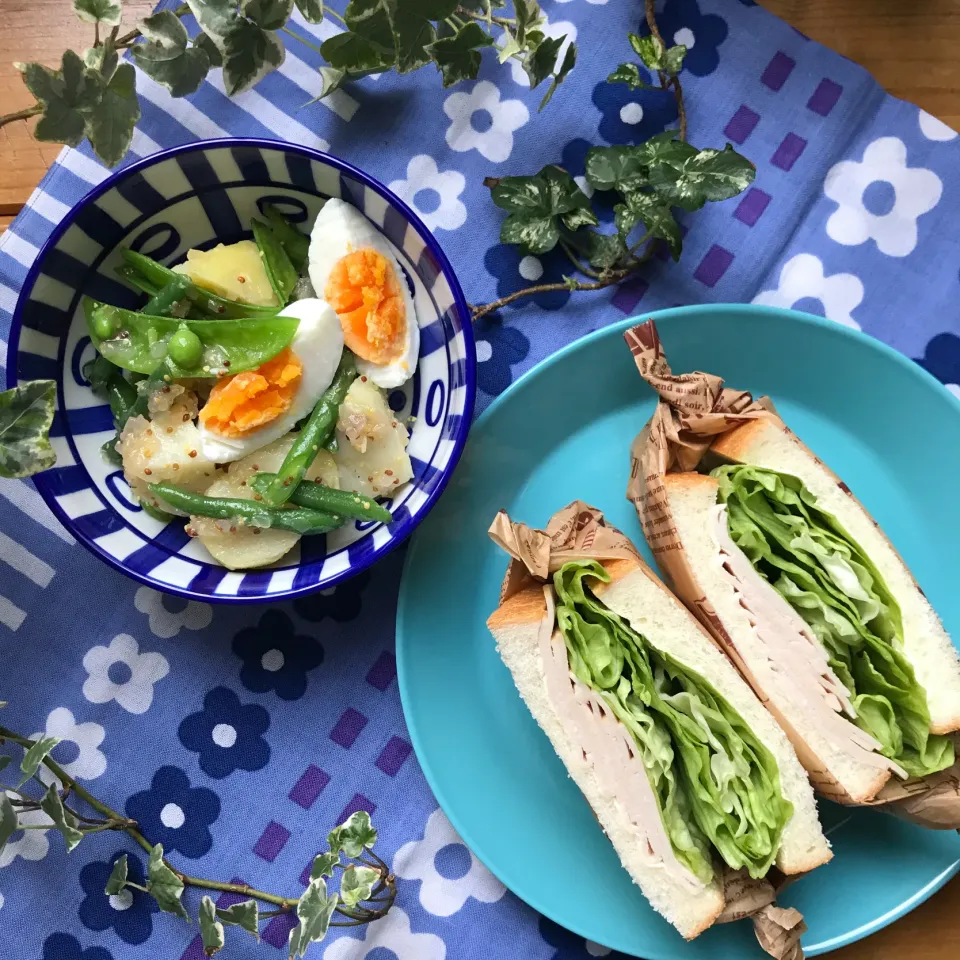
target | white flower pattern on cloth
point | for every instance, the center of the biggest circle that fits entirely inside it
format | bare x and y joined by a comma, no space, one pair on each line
559,29
495,142
168,623
31,844
802,277
934,129
393,935
87,762
422,174
892,224
120,672
443,896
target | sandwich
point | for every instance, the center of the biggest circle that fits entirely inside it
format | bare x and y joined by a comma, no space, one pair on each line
690,778
799,586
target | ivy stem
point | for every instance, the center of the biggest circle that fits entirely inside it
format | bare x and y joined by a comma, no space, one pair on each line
574,258
336,16
306,43
25,114
486,18
666,83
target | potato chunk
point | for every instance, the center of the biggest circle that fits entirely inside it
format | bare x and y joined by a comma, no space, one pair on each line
234,271
372,455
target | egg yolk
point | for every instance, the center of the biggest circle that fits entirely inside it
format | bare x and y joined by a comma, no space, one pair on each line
364,290
244,402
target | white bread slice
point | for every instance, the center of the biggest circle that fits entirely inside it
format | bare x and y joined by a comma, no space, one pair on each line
768,442
516,628
638,596
837,771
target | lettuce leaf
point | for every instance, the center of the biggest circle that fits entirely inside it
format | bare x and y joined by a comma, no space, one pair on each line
716,784
828,579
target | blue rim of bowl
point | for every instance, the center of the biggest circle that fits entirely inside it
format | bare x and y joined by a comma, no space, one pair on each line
432,245
776,315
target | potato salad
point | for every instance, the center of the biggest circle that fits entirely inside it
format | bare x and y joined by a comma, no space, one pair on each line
248,392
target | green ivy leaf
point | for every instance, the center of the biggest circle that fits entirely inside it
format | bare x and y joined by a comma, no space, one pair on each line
164,885
203,42
103,59
245,915
429,9
40,750
8,819
249,53
65,822
569,62
311,10
110,123
709,175
656,216
314,910
211,930
64,95
538,235
357,884
357,833
528,17
602,250
540,62
106,12
4,762
673,60
118,876
372,20
648,49
629,73
413,36
268,14
458,57
165,57
354,54
665,148
620,168
323,865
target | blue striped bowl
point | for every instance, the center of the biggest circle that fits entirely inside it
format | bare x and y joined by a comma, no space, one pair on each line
199,195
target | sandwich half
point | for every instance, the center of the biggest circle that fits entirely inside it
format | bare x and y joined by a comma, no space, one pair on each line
812,602
687,773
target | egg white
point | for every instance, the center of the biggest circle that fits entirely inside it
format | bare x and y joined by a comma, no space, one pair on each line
340,229
318,343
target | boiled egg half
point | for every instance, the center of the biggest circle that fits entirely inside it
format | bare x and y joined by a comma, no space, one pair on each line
353,267
248,410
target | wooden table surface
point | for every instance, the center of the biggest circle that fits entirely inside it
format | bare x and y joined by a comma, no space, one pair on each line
911,48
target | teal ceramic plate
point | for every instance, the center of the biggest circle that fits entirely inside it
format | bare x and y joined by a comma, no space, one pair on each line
563,431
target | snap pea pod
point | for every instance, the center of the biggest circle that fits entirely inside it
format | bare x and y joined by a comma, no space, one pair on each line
314,434
165,301
280,271
294,242
344,503
133,278
138,342
216,306
298,519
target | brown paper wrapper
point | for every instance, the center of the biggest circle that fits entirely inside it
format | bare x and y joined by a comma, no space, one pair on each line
579,532
694,409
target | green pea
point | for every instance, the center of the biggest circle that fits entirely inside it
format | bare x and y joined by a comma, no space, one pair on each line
104,325
185,348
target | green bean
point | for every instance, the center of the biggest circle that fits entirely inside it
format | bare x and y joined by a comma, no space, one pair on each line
133,278
333,444
255,514
294,242
280,271
211,303
165,300
314,435
121,396
344,503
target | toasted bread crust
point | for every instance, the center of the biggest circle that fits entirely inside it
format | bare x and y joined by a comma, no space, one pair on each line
527,606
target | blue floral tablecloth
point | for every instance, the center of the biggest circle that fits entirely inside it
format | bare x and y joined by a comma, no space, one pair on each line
238,737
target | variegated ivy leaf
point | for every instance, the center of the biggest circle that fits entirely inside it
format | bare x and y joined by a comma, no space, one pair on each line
312,10
622,167
244,915
709,175
458,57
211,929
202,42
559,75
65,822
165,56
357,884
64,95
354,834
249,53
110,123
528,17
314,910
216,17
8,819
106,12
102,58
323,864
413,35
36,753
656,216
164,885
269,14
354,55
373,20
118,876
